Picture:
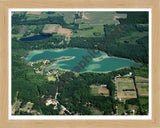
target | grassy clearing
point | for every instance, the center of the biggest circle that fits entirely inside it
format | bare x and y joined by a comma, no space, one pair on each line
51,78
143,89
140,79
90,31
68,16
142,85
50,28
123,84
99,90
101,18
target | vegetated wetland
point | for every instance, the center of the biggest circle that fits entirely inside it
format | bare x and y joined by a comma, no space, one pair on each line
80,63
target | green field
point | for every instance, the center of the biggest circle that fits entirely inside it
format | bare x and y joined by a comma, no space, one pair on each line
38,16
142,85
143,89
100,18
125,83
140,79
51,27
89,31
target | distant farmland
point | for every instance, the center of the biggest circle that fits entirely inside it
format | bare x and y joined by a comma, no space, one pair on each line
125,88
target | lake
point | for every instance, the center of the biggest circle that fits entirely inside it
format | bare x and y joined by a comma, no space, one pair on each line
35,38
80,60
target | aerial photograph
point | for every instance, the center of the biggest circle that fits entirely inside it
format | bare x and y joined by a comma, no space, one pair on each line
80,63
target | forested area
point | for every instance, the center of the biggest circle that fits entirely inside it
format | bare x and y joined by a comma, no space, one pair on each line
135,18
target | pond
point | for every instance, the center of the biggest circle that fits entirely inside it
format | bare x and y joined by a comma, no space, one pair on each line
80,60
35,38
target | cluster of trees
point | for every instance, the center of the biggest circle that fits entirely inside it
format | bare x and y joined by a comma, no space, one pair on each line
75,93
30,86
18,19
135,18
137,51
90,42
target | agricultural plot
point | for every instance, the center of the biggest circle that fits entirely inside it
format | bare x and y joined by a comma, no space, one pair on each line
51,28
89,31
68,16
38,15
125,88
100,18
142,85
99,90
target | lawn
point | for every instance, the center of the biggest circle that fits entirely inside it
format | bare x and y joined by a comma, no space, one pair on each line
124,84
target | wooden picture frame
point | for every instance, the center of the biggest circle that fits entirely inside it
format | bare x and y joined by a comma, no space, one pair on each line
4,64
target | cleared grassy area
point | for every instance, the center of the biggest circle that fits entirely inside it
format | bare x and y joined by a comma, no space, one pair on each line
99,90
125,84
50,28
51,78
101,18
143,89
142,85
140,79
18,36
68,16
89,31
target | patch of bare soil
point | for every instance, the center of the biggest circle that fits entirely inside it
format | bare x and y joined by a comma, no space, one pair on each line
85,17
65,31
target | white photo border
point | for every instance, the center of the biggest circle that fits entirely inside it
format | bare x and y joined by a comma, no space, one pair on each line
73,117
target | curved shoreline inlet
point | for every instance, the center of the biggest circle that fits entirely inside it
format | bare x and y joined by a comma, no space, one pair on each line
80,60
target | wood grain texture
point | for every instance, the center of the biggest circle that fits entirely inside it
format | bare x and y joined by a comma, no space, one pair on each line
6,4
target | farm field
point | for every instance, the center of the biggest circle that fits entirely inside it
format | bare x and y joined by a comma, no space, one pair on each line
123,88
89,31
51,28
100,18
142,85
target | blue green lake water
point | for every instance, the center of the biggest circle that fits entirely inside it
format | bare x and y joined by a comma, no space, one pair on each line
99,62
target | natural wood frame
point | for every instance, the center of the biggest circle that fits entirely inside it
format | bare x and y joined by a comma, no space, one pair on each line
4,63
